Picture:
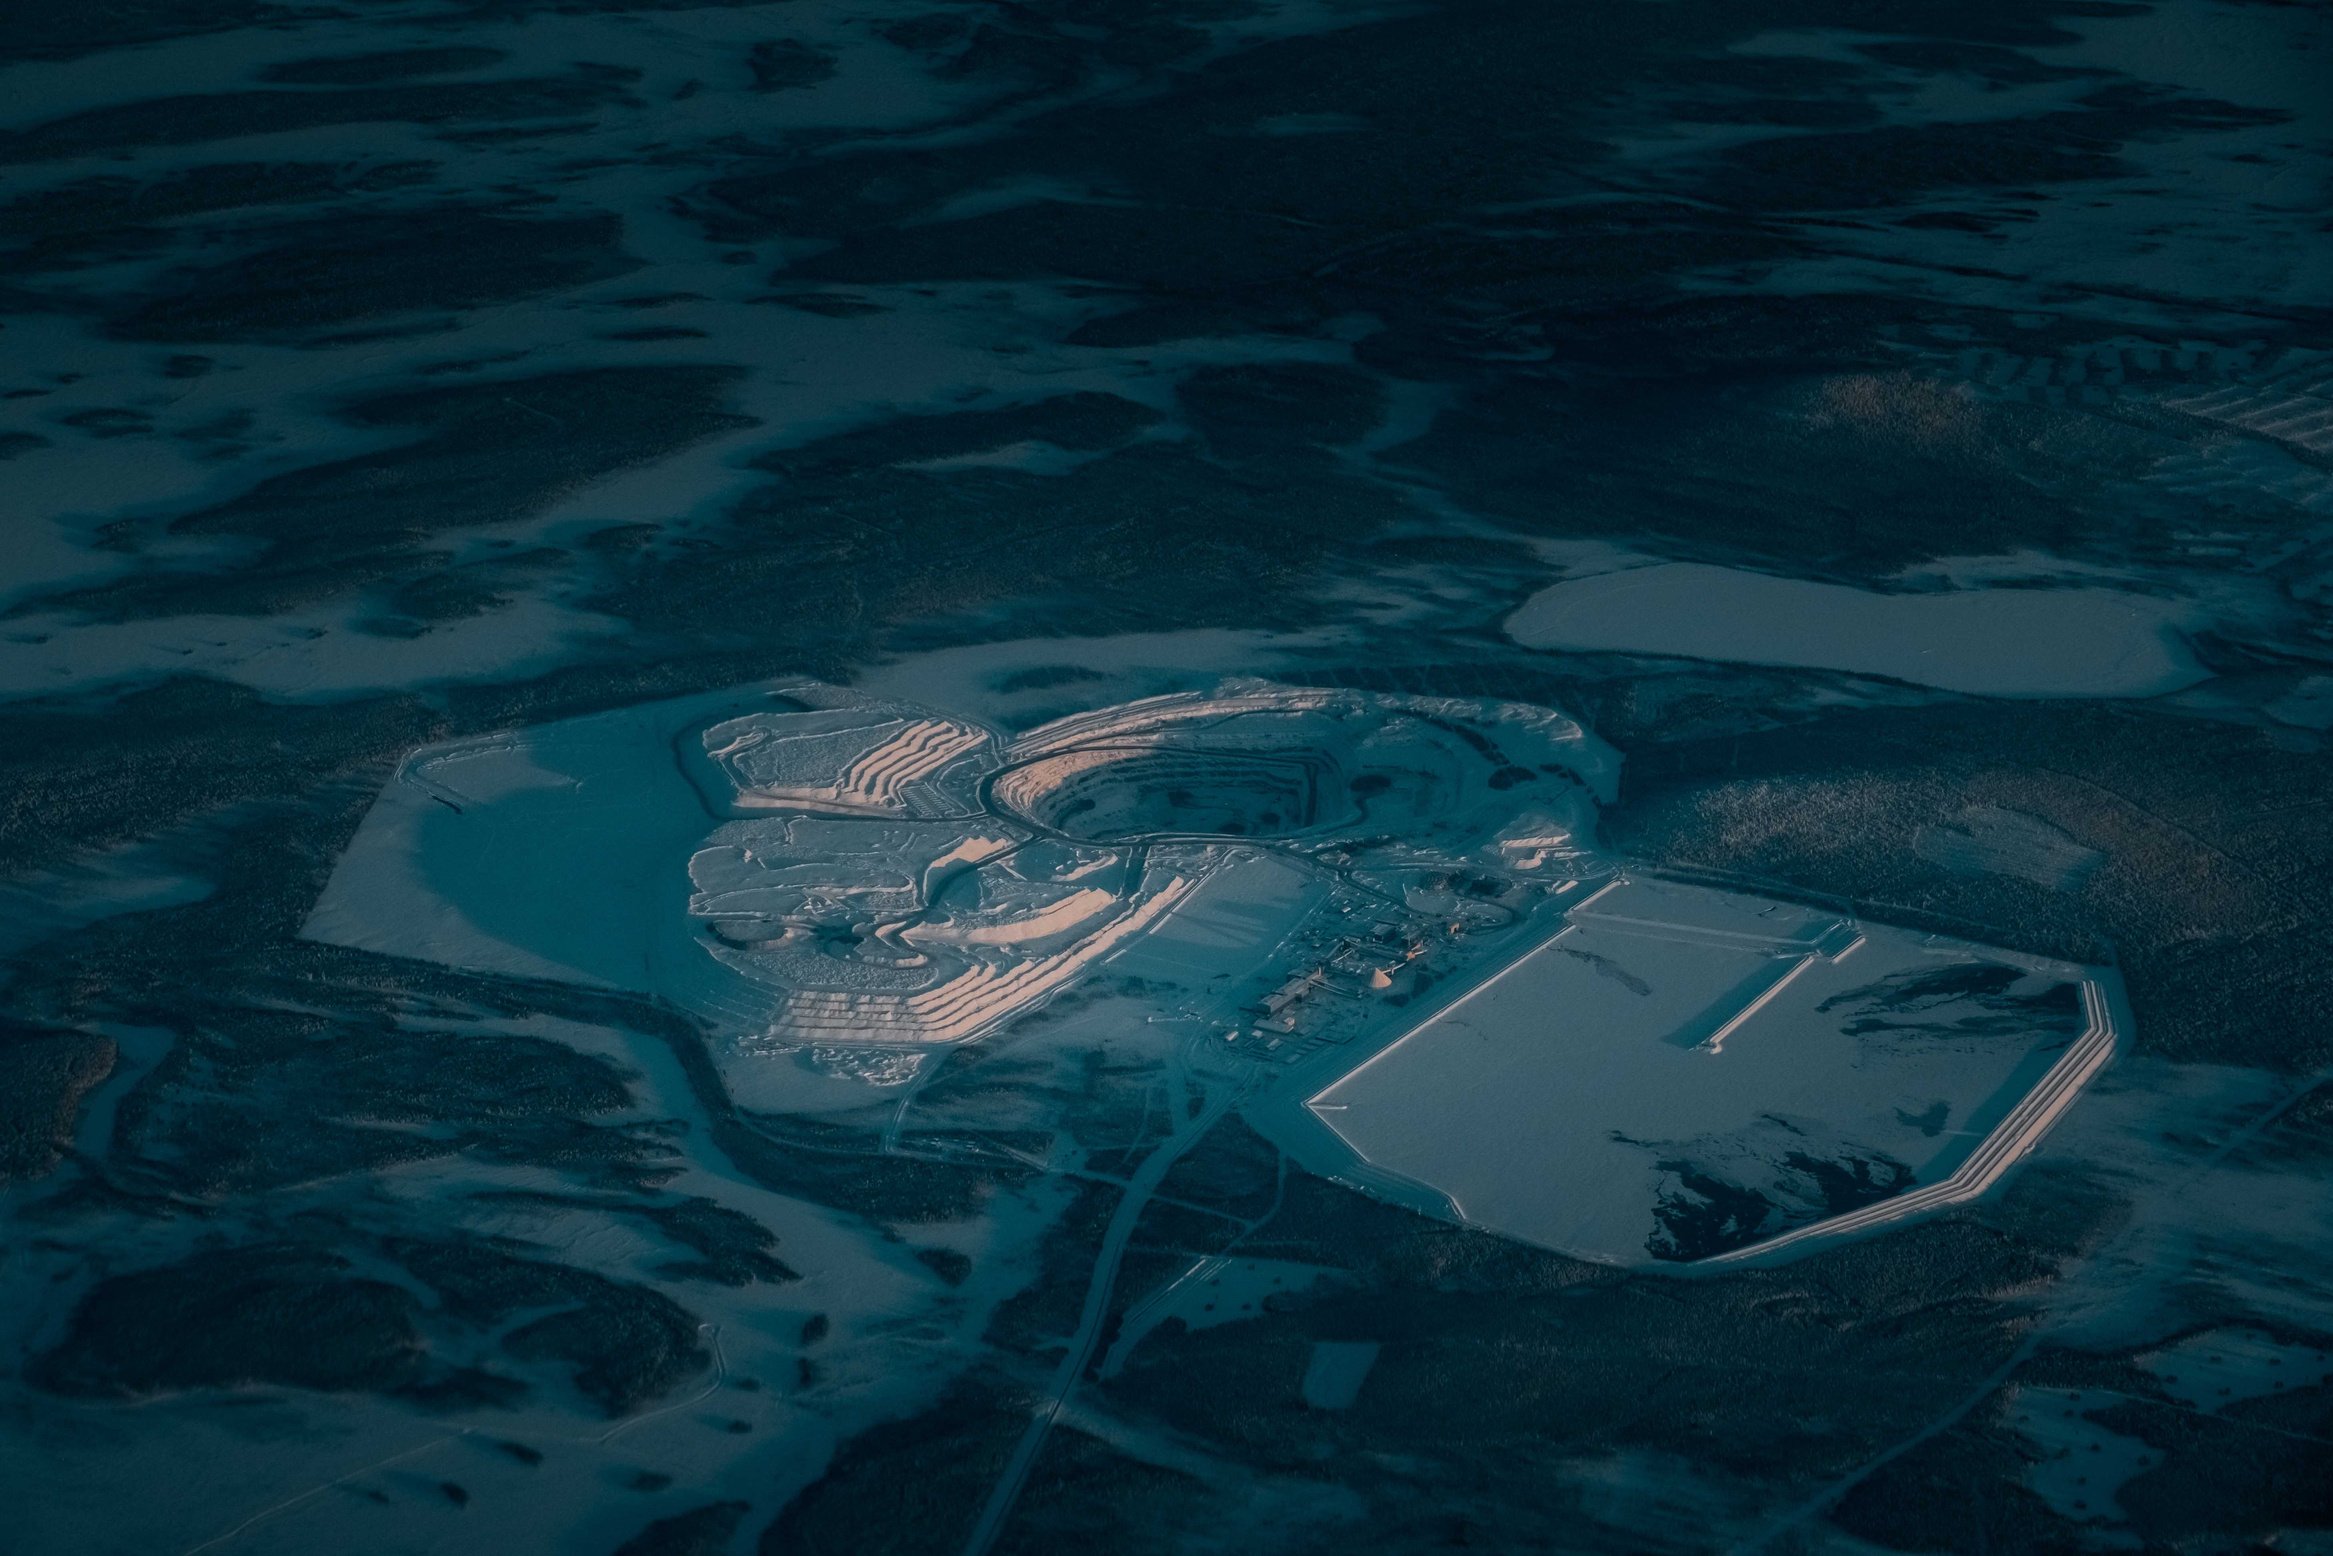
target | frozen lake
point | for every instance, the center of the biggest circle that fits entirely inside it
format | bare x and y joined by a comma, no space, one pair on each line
1998,642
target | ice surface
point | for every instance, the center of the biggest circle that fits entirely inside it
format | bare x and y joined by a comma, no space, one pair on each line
2065,642
1214,1292
1683,1072
1987,839
2080,1464
97,886
2222,1367
1334,1374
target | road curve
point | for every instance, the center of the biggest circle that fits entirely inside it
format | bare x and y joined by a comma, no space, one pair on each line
1139,1188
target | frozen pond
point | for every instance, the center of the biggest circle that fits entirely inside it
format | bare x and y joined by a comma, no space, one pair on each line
1682,1073
1999,642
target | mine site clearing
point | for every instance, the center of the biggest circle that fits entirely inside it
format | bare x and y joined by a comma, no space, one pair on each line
795,876
1663,1071
1375,919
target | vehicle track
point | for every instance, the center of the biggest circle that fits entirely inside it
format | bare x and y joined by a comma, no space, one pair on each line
1139,1189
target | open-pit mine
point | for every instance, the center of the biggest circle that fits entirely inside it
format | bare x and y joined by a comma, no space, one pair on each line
1384,915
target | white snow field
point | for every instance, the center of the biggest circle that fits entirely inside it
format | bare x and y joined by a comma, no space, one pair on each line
1998,642
1688,1074
837,883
